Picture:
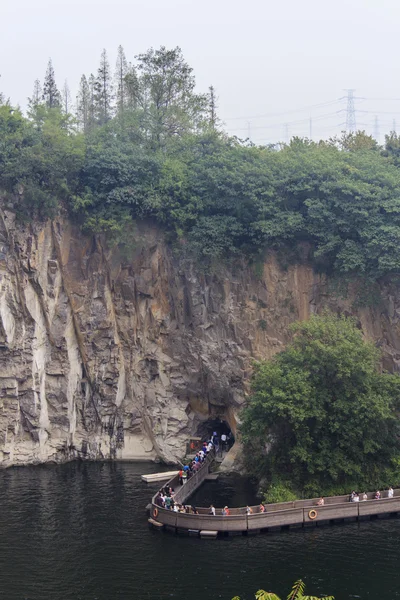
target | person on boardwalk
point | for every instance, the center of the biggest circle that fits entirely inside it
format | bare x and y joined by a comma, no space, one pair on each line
356,498
212,510
321,502
226,512
249,510
390,492
377,495
262,508
365,496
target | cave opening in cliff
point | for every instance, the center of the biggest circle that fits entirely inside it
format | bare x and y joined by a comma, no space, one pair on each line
218,426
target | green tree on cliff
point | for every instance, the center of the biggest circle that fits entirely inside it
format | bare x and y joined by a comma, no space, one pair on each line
321,413
167,95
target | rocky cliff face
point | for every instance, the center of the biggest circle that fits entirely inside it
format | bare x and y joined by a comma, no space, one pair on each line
102,357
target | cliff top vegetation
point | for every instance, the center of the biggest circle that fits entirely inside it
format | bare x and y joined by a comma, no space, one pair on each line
143,144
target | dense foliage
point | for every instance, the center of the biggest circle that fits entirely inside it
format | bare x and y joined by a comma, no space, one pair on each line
321,415
142,144
297,593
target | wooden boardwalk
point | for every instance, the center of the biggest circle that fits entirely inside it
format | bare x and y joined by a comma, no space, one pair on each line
284,515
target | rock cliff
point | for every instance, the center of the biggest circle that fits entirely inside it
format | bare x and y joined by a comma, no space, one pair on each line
104,357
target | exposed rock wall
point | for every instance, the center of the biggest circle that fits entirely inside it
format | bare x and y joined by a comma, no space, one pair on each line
102,357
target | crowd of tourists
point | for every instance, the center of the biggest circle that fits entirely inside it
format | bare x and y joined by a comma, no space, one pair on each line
166,499
166,496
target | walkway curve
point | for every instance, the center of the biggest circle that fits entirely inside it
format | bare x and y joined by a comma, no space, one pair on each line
280,515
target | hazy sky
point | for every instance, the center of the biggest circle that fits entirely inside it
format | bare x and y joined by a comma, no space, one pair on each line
262,56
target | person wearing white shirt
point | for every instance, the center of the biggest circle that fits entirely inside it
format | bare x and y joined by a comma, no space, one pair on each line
390,492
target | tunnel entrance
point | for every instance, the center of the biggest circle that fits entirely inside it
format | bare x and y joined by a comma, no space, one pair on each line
218,431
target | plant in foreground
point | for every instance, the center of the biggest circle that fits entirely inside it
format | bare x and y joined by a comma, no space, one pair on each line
297,593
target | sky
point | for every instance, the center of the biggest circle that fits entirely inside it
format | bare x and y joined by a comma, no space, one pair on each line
274,64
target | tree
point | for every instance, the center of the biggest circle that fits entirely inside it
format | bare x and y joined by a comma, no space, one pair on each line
37,96
320,412
92,102
167,94
212,107
51,95
66,98
355,140
297,593
131,88
103,91
121,72
83,104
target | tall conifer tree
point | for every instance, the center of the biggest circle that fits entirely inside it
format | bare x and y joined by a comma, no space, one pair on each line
103,91
66,98
37,95
121,71
51,95
92,102
83,104
132,87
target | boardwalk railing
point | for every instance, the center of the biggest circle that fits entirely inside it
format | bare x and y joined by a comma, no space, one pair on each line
297,513
183,492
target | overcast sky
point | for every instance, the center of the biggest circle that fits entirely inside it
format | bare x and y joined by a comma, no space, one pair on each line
262,56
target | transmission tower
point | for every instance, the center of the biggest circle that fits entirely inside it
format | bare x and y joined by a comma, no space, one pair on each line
376,129
351,112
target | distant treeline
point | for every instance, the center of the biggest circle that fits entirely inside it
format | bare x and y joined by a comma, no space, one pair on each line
142,143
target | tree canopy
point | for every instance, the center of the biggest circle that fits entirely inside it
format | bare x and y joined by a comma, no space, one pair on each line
321,414
144,143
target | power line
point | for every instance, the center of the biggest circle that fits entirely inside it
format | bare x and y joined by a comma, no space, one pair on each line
279,125
287,112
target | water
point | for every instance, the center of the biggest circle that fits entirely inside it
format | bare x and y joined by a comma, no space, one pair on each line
79,531
228,490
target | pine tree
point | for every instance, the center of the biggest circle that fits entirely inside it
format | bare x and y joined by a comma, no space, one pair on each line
35,102
51,96
92,102
83,104
66,98
121,71
37,95
131,88
103,91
